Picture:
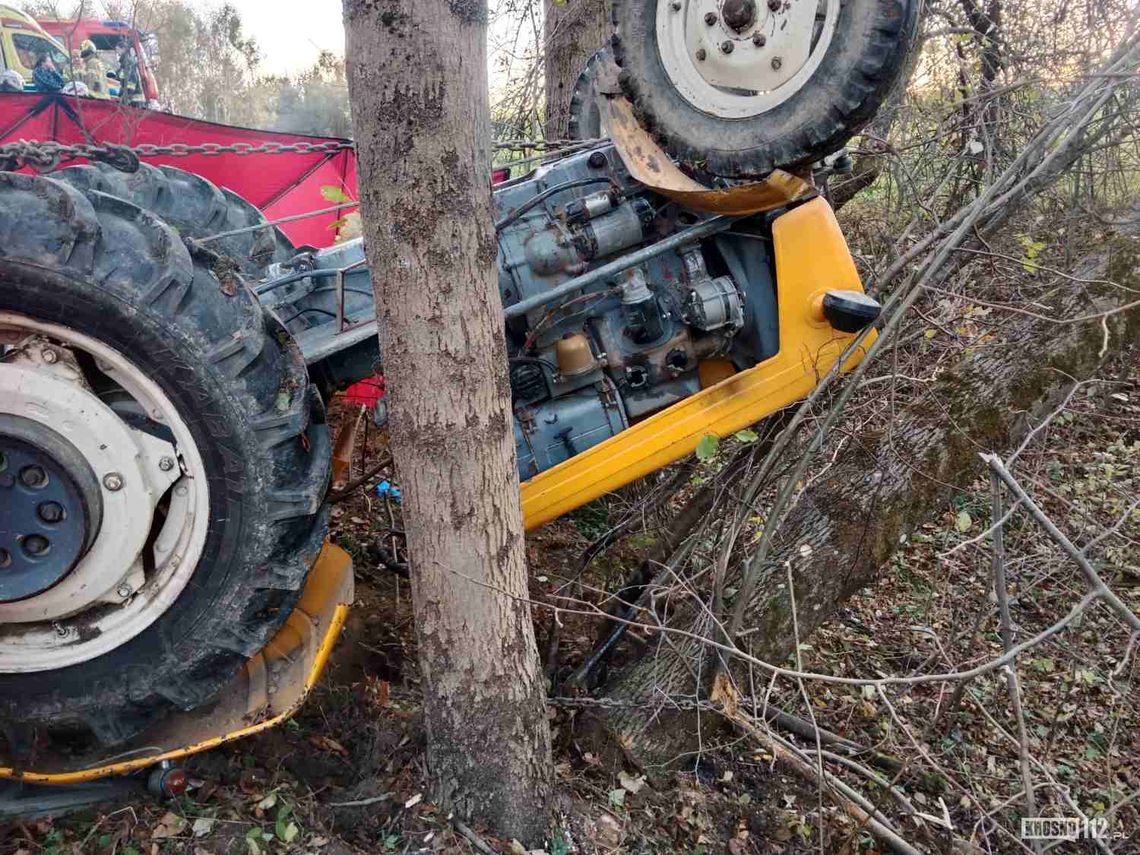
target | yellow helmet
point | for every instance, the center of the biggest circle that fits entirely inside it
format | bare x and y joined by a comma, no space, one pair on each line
88,46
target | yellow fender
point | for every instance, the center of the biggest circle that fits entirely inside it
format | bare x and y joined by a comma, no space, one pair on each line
811,258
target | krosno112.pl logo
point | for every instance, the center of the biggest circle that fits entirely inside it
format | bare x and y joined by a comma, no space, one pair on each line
1064,828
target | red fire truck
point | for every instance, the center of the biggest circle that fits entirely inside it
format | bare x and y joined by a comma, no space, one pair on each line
115,41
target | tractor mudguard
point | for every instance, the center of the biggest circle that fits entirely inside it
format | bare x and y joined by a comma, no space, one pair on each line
811,258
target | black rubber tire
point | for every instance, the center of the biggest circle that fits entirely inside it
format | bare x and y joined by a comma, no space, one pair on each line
585,121
109,269
193,207
862,63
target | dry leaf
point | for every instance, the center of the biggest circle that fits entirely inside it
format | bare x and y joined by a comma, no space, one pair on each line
171,825
326,744
631,784
724,694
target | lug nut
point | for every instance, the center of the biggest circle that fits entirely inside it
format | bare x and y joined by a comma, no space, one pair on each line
113,481
50,512
710,18
676,5
49,356
759,39
35,544
124,591
775,5
33,476
62,631
776,63
166,464
5,557
727,46
701,55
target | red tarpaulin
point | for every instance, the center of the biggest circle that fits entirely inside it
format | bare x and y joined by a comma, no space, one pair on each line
279,184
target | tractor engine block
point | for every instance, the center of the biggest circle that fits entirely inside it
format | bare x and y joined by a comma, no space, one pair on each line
587,363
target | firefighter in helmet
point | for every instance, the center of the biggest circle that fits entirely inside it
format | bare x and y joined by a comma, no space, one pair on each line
94,71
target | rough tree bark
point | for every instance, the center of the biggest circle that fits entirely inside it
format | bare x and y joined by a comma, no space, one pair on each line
418,88
573,31
845,526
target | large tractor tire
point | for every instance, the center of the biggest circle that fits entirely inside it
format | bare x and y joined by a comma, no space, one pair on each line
163,464
193,207
585,120
738,88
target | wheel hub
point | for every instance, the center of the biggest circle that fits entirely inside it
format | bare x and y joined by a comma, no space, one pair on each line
736,59
49,505
739,14
104,530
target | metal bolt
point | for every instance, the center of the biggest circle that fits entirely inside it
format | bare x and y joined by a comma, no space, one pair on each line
35,544
701,55
124,591
759,39
776,63
113,481
33,476
166,464
50,356
5,557
61,630
50,512
727,46
775,5
710,18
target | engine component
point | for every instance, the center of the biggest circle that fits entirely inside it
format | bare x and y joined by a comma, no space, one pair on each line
566,249
594,205
711,303
644,323
528,381
556,430
575,357
644,320
715,303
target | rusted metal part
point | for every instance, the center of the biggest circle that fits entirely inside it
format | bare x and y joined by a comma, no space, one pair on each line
650,165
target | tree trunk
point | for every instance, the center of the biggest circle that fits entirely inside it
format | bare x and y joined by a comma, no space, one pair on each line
573,31
845,526
418,88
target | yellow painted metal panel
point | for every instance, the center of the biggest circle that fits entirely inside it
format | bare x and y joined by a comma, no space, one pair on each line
811,257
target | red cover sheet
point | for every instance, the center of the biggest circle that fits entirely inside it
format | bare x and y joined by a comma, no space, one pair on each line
280,184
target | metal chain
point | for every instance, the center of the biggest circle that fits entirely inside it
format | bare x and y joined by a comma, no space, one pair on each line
45,156
614,704
527,145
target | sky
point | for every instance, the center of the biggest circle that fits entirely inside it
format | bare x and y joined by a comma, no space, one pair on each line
290,39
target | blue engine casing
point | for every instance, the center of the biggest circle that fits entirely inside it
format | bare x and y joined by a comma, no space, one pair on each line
585,367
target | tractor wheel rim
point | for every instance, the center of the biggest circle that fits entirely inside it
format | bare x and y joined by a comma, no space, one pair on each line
736,59
144,528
